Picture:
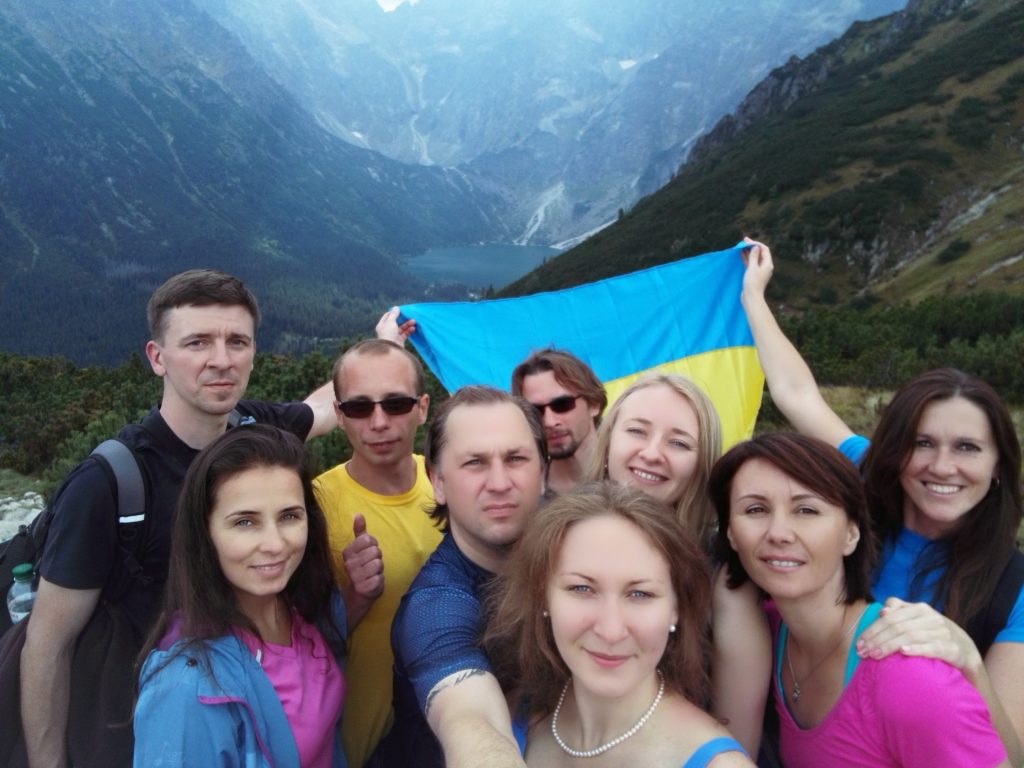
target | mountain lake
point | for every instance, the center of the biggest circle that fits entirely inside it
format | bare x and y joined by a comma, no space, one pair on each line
478,266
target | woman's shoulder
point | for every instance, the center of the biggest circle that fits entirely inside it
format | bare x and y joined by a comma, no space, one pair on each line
694,735
196,665
915,688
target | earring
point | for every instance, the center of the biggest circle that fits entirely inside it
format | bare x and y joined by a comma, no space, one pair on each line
545,613
671,629
995,481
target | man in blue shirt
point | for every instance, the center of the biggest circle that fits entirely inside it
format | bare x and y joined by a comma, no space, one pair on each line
485,458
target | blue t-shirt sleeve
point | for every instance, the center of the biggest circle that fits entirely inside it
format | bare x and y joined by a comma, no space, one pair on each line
1013,632
854,447
437,634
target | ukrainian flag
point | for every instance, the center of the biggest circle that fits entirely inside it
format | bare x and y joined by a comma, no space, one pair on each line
684,317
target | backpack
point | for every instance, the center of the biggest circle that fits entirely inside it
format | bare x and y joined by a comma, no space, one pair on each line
990,621
129,489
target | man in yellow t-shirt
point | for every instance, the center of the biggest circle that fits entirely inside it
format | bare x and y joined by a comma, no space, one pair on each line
376,506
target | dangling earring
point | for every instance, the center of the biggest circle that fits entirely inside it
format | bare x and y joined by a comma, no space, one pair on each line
671,629
995,481
545,613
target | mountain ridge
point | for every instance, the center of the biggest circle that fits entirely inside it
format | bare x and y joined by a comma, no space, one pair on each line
862,165
141,140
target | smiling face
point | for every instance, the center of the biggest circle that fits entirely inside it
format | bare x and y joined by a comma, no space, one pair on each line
654,443
490,477
205,358
565,433
790,540
380,440
611,604
950,467
258,527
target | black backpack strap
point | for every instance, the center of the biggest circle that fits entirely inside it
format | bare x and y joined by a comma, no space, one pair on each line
990,621
131,490
132,520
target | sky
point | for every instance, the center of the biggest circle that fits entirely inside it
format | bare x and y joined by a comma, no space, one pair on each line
390,5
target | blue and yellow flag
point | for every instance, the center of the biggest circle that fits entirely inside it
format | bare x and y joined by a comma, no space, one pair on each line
684,317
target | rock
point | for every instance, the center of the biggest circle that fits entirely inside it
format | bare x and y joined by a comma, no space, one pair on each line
15,511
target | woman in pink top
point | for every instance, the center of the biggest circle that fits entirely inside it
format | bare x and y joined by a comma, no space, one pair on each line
243,665
792,519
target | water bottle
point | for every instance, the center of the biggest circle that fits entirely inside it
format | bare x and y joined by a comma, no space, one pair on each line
21,596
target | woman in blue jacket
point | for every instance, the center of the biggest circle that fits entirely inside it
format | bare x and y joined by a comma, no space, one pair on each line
243,667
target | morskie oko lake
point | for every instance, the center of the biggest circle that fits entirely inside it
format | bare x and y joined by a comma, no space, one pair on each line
478,266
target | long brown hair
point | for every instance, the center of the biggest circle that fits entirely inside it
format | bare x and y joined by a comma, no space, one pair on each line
518,638
198,598
975,551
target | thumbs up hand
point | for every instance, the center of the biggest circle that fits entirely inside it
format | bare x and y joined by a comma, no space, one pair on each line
363,563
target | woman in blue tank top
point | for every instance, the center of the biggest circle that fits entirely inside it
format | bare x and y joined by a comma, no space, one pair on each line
598,627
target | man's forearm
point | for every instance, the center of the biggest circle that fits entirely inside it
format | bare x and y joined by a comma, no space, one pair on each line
470,744
45,691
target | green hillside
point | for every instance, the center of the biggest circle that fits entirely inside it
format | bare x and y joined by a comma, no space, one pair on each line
897,175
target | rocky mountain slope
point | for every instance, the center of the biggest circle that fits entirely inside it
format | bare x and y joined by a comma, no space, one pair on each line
889,163
140,138
569,110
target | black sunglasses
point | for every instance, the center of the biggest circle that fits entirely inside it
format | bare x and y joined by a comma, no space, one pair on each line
392,406
561,404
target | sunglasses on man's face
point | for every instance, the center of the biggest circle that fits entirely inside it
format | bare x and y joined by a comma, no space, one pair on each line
392,406
561,404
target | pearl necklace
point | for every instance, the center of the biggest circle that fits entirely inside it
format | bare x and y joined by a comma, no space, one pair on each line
614,742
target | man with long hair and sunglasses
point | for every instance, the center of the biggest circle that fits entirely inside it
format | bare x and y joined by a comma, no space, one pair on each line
376,507
569,399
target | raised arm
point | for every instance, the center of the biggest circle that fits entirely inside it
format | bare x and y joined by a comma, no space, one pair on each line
388,328
789,379
57,619
321,400
468,714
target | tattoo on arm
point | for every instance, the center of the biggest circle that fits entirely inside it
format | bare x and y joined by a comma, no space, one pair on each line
450,682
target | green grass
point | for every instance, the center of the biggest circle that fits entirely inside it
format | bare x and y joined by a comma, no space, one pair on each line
14,484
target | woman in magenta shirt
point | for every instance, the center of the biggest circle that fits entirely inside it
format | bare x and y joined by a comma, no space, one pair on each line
243,666
793,519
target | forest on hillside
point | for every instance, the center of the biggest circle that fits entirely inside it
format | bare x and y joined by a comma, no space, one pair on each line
53,412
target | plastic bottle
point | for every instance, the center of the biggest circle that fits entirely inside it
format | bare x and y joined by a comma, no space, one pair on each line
21,596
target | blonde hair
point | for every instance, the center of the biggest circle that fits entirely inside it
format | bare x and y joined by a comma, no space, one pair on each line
693,508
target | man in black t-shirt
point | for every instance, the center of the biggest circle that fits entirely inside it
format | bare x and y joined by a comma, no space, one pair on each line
202,325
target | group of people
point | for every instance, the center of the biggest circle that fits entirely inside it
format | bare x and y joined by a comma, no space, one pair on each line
553,582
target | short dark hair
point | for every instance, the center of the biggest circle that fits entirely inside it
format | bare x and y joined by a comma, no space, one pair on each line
820,468
437,430
197,592
571,372
518,638
198,288
377,348
983,540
